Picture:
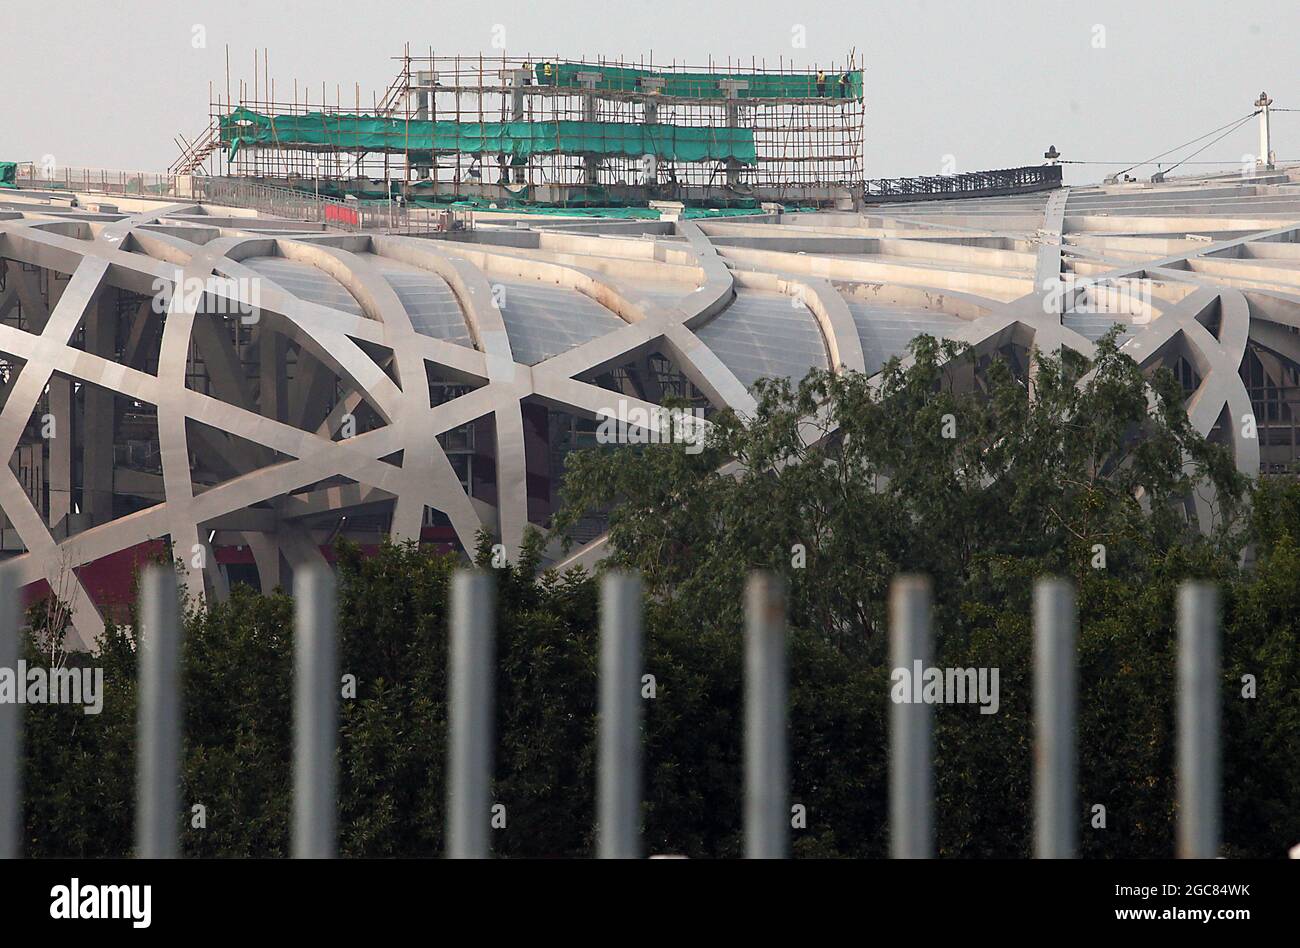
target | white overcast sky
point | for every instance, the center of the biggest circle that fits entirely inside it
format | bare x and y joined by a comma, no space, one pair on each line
108,83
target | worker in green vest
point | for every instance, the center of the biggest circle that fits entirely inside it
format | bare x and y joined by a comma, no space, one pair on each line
844,85
548,74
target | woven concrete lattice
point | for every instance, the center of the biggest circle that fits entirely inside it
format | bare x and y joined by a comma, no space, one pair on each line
314,351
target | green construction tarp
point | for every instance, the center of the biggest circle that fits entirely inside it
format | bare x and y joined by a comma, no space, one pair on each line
704,85
351,132
8,174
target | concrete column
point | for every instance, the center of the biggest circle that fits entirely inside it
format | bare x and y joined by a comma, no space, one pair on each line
100,332
517,78
58,467
650,111
423,92
590,163
271,355
313,390
733,88
266,555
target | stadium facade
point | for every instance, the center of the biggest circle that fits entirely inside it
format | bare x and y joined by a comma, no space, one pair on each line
247,389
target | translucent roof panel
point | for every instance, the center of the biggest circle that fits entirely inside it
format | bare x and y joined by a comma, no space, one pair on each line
661,293
886,330
543,320
305,282
765,335
428,300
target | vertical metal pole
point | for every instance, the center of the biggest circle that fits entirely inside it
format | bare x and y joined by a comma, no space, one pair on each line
619,823
11,723
767,814
469,781
315,716
1055,624
911,791
1265,159
1199,697
159,714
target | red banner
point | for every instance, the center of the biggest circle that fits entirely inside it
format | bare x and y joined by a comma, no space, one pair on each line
343,215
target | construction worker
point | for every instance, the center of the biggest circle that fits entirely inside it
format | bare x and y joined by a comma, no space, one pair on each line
844,85
821,83
548,74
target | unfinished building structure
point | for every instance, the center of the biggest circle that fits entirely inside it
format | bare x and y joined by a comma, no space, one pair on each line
538,131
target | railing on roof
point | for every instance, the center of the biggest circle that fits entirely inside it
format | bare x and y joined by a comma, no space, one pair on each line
32,175
1004,181
343,215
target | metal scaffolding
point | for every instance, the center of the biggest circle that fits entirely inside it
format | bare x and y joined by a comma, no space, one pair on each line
806,126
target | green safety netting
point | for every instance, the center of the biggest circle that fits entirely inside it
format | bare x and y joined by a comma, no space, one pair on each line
8,174
703,85
519,139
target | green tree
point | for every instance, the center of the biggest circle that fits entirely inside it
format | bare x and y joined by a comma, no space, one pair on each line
930,468
985,480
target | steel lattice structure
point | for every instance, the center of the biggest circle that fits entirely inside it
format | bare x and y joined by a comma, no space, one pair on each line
340,388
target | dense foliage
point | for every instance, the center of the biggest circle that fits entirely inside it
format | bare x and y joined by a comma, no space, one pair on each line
961,476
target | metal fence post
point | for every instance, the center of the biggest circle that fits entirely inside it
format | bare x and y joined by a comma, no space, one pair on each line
1199,697
1055,624
316,684
11,723
470,693
767,790
159,716
619,820
911,788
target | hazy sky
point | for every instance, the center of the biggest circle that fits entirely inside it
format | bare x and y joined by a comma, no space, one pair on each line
992,83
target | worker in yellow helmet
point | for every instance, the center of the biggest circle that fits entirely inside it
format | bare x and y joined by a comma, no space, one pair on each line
821,83
548,74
